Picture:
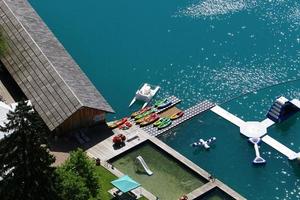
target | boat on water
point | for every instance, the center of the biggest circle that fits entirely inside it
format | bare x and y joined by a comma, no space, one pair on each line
159,121
177,115
150,119
145,93
159,102
116,123
165,124
144,114
141,111
164,104
127,125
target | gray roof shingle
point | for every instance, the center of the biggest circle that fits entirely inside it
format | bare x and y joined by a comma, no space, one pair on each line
43,69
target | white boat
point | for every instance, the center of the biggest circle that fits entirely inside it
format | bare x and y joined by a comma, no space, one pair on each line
145,93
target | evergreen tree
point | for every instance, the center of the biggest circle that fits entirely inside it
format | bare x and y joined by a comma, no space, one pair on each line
25,163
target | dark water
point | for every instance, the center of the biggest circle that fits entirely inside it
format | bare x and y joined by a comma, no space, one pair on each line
196,50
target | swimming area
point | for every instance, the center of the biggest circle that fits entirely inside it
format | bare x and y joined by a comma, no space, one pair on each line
197,50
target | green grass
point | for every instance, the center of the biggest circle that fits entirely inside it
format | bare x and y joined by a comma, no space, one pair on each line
105,177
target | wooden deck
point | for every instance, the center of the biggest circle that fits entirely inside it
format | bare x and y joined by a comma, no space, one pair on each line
188,114
136,135
105,151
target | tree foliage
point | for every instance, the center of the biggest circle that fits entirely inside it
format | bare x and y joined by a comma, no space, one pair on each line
82,166
70,185
25,163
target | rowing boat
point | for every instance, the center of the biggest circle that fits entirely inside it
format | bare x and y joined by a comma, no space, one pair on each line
177,115
150,119
165,124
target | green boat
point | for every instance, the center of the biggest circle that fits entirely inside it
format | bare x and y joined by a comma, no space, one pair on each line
144,114
159,102
165,124
161,120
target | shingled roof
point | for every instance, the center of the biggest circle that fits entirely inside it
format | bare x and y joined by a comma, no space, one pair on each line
43,69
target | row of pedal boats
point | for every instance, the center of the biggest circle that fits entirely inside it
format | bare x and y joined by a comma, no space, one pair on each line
148,115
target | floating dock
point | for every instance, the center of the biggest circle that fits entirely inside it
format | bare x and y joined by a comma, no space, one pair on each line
280,147
188,114
257,130
228,116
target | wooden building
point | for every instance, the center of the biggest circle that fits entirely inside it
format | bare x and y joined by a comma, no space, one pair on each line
59,91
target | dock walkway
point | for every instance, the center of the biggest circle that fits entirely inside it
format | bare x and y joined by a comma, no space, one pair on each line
280,147
188,114
228,116
258,130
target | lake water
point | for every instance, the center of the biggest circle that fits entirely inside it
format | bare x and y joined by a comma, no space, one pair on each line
196,49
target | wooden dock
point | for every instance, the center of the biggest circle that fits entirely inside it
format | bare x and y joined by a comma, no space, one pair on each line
105,150
188,114
136,135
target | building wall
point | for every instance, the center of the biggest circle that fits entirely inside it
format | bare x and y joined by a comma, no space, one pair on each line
82,118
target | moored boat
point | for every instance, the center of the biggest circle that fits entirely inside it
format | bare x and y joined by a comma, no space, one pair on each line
177,115
117,123
141,111
161,120
145,93
122,121
165,124
140,116
150,119
127,125
159,102
164,104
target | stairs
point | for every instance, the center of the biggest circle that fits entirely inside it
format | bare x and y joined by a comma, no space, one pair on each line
282,109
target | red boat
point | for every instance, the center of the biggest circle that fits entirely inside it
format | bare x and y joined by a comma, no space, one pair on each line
140,112
150,119
125,126
122,121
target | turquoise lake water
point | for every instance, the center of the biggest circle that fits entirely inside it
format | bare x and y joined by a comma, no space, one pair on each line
196,50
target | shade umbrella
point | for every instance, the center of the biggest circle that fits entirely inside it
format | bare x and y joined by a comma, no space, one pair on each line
125,184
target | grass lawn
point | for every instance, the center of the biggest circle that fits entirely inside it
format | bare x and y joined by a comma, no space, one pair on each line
105,177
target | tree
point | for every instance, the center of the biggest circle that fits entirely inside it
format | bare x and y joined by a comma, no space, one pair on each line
81,165
25,163
70,185
3,46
